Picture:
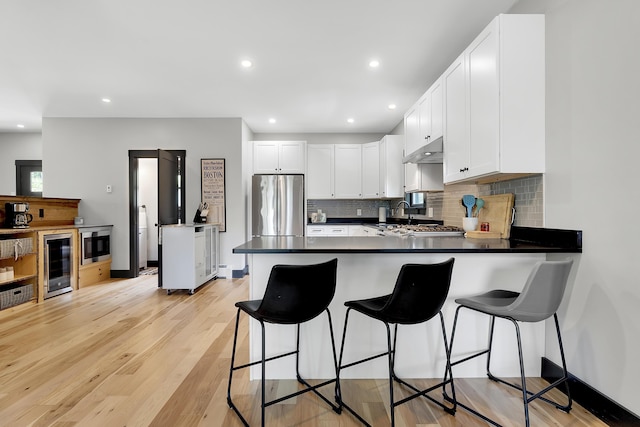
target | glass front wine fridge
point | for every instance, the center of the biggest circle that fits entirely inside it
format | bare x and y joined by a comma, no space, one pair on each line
57,264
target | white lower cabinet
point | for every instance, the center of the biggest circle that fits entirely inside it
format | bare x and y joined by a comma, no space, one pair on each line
339,230
190,255
362,231
327,230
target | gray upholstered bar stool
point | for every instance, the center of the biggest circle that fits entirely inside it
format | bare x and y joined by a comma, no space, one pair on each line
295,294
538,301
418,296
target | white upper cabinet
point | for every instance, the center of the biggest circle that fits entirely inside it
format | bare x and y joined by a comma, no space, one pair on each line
456,131
494,103
348,171
391,167
436,108
320,171
354,171
430,107
412,140
423,177
371,170
423,121
279,157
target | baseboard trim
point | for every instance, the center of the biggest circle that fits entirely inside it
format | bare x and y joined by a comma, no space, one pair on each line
591,399
121,274
239,274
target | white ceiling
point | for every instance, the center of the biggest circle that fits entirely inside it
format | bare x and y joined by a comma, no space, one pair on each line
171,58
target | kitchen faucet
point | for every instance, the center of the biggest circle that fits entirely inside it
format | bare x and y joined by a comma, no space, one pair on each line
408,207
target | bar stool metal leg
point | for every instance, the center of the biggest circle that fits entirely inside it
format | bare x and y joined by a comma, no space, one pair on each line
391,354
527,396
263,403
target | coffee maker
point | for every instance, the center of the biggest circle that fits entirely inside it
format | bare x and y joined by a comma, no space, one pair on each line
16,215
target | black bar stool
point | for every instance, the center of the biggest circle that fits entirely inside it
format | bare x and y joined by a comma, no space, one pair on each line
295,294
418,295
539,300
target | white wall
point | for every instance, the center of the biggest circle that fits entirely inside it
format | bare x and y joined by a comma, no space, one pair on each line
84,155
592,154
16,146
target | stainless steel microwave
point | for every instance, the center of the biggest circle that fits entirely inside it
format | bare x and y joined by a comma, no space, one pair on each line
95,244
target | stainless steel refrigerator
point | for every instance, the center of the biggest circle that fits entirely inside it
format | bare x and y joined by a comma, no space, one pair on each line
278,205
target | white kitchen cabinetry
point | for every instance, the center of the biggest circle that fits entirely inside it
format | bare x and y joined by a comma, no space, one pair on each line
391,167
190,255
494,103
355,171
348,171
423,121
356,230
456,131
412,129
320,171
362,231
279,157
423,177
327,230
324,230
371,170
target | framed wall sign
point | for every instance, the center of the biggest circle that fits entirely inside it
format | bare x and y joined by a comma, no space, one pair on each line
213,190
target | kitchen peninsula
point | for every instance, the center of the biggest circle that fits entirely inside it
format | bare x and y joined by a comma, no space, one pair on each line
368,267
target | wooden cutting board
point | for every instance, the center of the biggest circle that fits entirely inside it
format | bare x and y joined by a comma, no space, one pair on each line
498,212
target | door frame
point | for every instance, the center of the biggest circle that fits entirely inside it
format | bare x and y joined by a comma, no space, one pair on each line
134,155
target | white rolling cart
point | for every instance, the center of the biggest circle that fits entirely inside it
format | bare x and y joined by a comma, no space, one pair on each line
190,256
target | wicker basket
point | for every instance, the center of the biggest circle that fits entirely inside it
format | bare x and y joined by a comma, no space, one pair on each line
14,248
15,296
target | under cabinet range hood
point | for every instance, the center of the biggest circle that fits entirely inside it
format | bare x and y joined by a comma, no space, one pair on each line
429,153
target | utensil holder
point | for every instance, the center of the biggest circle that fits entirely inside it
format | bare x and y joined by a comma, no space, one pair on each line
470,224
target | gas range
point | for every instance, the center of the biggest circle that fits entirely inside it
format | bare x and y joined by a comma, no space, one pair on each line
427,230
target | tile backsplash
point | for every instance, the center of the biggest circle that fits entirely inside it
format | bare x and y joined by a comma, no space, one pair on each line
529,199
447,206
349,208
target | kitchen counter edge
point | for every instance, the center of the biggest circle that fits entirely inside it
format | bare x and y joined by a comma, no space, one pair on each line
523,240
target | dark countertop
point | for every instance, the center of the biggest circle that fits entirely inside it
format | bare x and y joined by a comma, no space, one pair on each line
523,240
372,221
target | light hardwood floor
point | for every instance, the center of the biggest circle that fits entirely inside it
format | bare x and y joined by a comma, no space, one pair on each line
127,354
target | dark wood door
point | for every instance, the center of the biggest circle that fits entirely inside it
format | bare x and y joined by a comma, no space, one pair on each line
171,198
170,210
168,188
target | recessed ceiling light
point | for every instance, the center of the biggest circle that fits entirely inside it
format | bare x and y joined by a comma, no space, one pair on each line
106,100
391,106
21,126
272,120
350,120
374,63
246,63
428,153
